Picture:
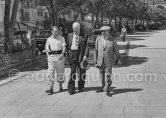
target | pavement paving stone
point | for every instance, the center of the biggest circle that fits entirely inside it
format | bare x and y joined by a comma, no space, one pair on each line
143,94
89,110
136,110
22,116
138,101
81,116
156,103
157,110
158,116
93,99
5,109
137,116
40,110
157,96
113,102
111,110
52,116
157,91
63,110
17,109
109,116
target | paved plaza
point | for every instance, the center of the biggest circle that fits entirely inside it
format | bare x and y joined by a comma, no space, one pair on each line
138,90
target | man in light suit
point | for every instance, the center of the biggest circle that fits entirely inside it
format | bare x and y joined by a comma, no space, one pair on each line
105,50
78,51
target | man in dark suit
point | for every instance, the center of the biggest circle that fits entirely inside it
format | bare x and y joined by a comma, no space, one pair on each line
78,51
105,50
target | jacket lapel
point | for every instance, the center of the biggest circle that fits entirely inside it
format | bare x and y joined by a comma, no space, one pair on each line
80,39
71,39
100,42
108,42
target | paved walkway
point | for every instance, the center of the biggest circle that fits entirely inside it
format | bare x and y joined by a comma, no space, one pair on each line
139,87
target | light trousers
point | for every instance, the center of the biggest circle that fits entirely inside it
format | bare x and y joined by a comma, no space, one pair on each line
55,69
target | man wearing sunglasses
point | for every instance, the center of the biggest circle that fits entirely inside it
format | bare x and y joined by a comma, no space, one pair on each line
105,50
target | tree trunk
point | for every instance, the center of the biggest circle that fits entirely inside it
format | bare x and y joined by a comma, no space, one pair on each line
120,18
109,20
97,20
54,15
132,21
115,21
101,19
82,14
7,41
92,17
136,21
127,21
13,18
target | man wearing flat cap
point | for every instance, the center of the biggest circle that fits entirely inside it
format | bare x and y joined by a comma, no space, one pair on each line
105,50
78,51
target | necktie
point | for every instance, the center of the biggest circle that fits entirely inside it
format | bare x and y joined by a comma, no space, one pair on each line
76,41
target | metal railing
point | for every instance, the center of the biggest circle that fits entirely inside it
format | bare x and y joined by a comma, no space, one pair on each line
8,59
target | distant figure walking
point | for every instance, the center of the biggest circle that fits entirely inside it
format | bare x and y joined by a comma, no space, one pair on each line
123,34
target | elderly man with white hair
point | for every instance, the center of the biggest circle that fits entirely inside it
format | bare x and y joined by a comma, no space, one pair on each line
78,51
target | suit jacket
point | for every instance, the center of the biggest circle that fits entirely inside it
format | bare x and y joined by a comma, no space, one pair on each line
106,54
83,48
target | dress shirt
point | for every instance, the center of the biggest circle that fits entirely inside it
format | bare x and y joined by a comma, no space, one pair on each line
74,45
104,40
55,43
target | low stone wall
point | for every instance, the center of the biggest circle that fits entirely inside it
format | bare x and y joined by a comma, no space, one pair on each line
20,65
16,61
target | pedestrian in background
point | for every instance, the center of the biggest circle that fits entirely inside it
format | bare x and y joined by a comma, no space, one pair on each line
60,30
123,34
29,37
105,50
55,49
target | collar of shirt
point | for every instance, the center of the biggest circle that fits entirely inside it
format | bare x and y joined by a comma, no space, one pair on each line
54,38
105,38
76,35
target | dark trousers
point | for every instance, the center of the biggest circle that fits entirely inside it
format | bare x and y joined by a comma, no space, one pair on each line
75,67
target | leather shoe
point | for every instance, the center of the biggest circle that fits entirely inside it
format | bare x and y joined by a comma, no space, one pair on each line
71,92
61,89
107,86
101,90
80,90
50,90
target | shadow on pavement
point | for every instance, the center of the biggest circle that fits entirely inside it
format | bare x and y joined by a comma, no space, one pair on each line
125,90
129,61
113,90
97,89
136,46
133,38
55,92
150,32
137,36
122,47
